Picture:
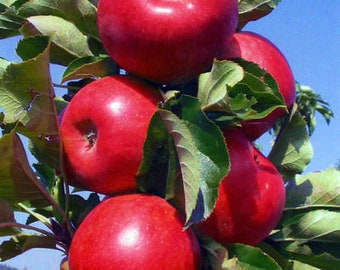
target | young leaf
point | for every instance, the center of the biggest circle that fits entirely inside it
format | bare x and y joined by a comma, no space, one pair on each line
20,244
314,190
309,103
6,213
27,97
202,164
238,92
259,86
18,182
248,257
213,86
68,43
292,150
80,12
7,216
89,67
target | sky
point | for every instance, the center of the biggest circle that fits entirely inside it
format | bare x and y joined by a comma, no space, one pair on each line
307,33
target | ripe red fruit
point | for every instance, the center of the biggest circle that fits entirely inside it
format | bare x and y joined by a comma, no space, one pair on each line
250,198
255,48
103,131
134,232
166,41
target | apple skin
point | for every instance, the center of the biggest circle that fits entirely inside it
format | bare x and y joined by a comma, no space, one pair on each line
255,48
103,129
134,231
250,198
165,41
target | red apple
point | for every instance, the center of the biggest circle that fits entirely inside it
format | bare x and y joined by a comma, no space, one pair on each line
255,48
103,131
166,41
134,231
250,198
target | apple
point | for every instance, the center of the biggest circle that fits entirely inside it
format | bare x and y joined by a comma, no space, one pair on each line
164,41
255,48
134,231
102,131
250,198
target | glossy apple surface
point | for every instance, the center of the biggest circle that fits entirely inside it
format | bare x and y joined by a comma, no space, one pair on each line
131,232
255,48
103,130
250,198
166,41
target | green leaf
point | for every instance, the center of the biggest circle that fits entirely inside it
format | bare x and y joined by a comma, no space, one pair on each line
7,2
271,250
80,207
68,43
213,253
302,266
30,48
21,243
202,164
292,150
232,93
46,175
10,21
317,226
310,226
27,97
252,10
213,86
259,86
3,65
314,190
320,255
89,67
248,257
80,12
188,157
159,165
18,182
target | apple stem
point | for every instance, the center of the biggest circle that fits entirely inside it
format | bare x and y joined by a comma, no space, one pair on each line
62,247
39,217
70,227
53,203
65,86
23,226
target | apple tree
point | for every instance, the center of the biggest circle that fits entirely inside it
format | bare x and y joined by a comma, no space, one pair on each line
192,142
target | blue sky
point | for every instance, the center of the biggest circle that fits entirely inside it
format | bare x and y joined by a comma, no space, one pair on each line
307,32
